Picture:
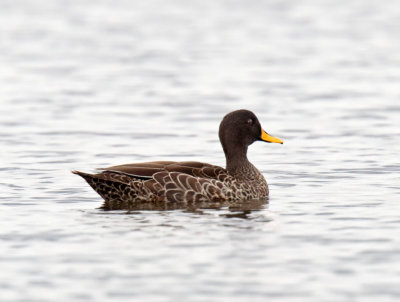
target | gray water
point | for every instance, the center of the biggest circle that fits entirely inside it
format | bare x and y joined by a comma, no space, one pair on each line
87,84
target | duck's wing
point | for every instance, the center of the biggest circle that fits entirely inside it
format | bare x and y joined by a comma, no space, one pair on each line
139,170
196,169
147,170
181,182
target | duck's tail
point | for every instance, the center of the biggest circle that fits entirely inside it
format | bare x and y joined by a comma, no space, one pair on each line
119,191
82,174
112,190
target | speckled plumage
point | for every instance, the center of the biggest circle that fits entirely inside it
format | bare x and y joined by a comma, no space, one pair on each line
166,183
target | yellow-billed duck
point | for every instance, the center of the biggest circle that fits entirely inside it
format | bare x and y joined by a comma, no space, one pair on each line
170,182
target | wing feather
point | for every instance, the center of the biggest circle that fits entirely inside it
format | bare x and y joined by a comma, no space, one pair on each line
147,170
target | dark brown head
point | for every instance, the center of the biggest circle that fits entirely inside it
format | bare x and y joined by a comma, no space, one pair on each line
241,128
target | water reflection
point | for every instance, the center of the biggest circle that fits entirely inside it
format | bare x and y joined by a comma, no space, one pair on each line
235,209
245,214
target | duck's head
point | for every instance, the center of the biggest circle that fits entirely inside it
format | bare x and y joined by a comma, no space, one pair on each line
241,128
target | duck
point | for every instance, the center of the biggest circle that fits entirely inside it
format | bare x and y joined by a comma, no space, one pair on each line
182,183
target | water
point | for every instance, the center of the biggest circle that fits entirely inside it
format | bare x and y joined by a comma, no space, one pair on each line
90,84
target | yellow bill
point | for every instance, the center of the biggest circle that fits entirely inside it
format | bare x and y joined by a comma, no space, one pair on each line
270,139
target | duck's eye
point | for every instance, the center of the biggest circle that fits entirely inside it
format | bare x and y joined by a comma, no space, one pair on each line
250,121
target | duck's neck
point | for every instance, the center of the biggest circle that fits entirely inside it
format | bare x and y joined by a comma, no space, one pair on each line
236,159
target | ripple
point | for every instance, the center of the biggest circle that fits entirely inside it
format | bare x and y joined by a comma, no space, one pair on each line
88,85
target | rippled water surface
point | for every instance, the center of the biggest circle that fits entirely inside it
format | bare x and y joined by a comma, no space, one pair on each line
86,84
